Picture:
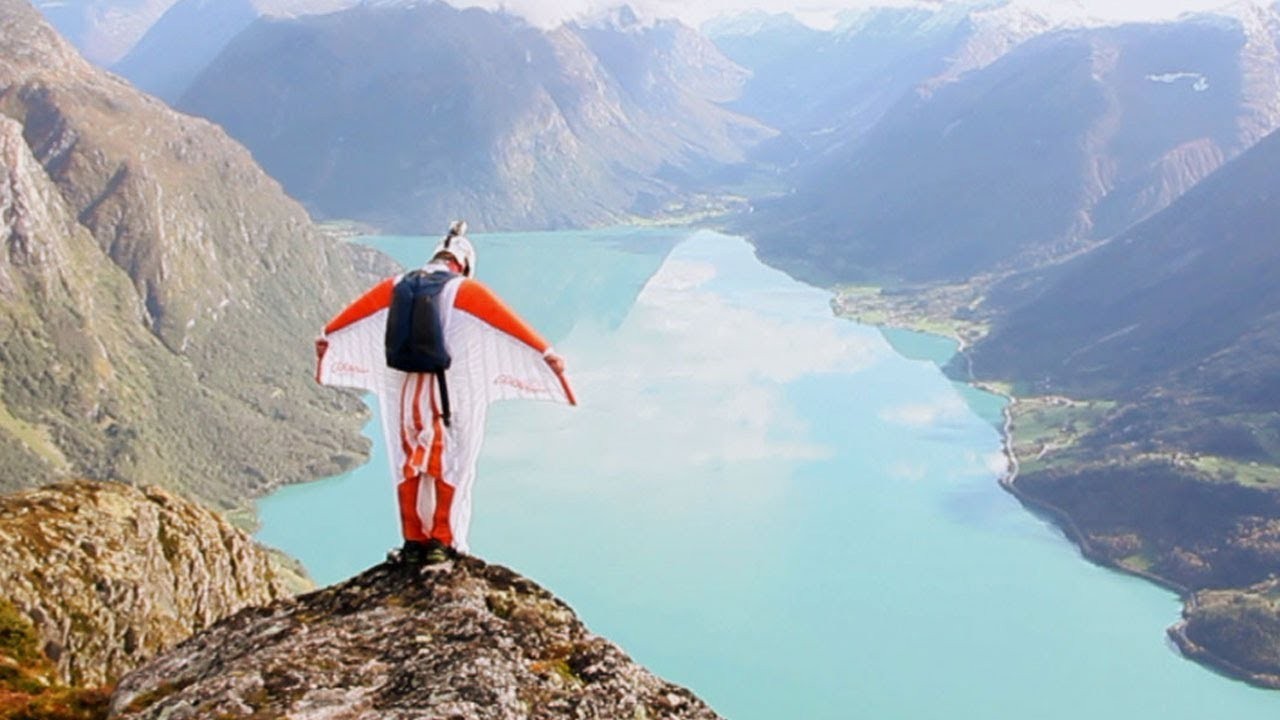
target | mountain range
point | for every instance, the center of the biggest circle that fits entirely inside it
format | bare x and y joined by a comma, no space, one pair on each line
1066,140
405,116
191,33
1174,322
1188,299
1096,209
882,54
103,30
1102,196
161,292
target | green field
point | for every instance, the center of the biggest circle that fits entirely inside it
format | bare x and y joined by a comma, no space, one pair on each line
1047,430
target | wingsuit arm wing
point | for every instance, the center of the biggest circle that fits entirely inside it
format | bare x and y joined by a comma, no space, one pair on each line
350,351
513,353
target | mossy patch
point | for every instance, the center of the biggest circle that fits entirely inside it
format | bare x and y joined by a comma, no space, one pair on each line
18,639
60,704
559,667
25,691
500,604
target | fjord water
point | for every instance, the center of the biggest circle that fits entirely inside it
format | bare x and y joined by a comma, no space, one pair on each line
793,515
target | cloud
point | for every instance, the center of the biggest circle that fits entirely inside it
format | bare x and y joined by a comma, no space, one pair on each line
996,463
908,471
938,412
693,387
819,13
718,342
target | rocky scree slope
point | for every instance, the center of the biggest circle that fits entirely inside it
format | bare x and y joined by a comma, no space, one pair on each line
458,640
110,574
160,292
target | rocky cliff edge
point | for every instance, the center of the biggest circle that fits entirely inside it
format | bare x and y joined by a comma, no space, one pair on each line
462,639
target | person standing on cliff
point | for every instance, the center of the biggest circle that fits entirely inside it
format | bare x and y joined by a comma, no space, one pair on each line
433,422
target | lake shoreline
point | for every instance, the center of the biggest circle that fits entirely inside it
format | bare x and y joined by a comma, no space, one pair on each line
936,485
1038,506
1191,649
920,315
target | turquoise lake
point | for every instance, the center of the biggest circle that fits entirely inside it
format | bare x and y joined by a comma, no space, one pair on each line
793,515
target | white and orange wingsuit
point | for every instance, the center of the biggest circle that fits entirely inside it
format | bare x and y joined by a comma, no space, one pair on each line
496,356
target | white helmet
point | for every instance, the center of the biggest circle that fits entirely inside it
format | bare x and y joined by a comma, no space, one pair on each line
457,245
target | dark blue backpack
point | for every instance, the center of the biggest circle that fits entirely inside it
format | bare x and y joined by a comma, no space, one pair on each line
415,338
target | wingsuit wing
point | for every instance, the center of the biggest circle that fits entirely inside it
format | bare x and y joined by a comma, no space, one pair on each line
496,356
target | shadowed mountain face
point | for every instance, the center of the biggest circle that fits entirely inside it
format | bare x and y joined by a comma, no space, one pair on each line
1068,139
190,35
1176,323
409,116
1189,299
160,292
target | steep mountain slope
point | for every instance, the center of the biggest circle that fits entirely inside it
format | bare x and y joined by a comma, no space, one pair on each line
1171,468
1188,300
459,640
110,575
407,116
184,40
160,292
103,30
1067,139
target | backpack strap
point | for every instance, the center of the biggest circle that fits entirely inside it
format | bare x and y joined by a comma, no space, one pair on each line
445,413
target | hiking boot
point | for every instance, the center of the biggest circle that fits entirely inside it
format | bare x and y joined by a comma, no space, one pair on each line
437,552
413,552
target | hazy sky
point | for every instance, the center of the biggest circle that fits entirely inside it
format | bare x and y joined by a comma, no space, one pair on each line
548,12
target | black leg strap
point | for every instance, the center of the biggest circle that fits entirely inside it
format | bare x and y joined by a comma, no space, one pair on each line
444,399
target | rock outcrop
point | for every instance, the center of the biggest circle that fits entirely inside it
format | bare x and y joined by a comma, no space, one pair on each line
110,574
459,640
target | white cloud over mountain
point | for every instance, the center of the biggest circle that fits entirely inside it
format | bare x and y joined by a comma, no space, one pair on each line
823,12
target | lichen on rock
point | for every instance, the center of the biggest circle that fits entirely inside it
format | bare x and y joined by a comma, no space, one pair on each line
460,640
